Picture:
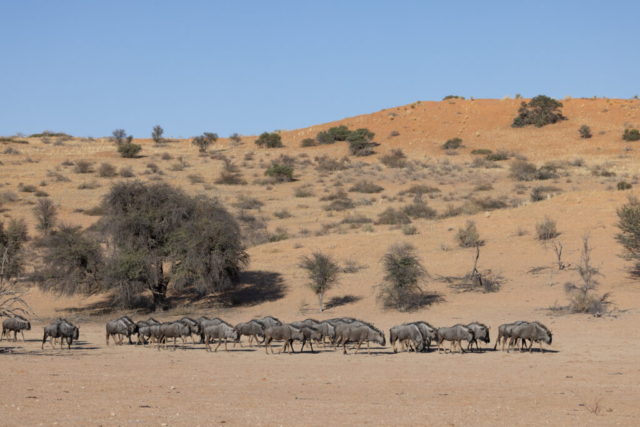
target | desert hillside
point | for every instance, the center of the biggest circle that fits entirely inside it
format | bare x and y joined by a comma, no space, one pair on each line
333,206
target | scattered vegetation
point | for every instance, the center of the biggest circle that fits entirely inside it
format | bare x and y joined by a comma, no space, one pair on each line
230,174
366,187
156,134
521,170
204,141
129,150
585,132
309,142
452,144
392,216
280,173
107,170
468,236
360,142
481,152
624,185
404,275
46,215
83,167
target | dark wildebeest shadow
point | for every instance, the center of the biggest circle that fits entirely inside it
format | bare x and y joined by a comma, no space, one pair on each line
343,300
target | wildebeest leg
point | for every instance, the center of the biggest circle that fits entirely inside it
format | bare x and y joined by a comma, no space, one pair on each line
344,346
225,345
311,345
219,342
541,350
531,346
44,338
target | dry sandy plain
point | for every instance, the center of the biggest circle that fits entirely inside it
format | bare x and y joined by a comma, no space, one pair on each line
590,375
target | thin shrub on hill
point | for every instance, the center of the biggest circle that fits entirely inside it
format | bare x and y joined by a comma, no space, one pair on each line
452,144
366,187
280,173
403,280
360,142
546,229
309,142
392,216
419,210
468,236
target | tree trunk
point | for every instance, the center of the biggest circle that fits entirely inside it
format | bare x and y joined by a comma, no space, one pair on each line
320,297
159,289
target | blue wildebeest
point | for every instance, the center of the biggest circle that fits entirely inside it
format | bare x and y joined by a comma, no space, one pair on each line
429,333
454,334
173,330
252,329
144,329
222,331
269,321
193,325
133,329
480,332
310,334
62,330
504,332
282,332
534,331
15,324
359,333
409,334
118,328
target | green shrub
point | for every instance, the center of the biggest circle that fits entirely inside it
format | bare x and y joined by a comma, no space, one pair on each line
453,97
325,138
309,142
623,185
339,133
540,111
585,132
498,157
280,172
129,150
452,144
269,140
360,142
631,135
156,135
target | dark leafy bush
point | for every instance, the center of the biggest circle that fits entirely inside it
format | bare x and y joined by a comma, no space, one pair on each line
585,132
540,111
235,138
156,135
452,144
498,157
360,142
280,172
521,170
403,278
119,136
46,215
129,150
542,192
269,140
204,141
631,135
623,185
340,205
453,97
324,138
339,133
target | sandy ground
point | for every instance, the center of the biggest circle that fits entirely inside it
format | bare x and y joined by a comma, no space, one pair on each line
590,375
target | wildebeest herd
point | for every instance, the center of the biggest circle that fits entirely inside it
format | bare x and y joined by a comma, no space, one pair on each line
411,336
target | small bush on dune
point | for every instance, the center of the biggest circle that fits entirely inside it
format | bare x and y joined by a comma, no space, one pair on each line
129,150
340,205
360,142
631,135
309,142
366,187
269,140
521,170
497,157
107,170
452,144
540,111
248,203
396,159
230,175
280,172
156,135
546,229
409,230
195,178
623,185
83,167
126,172
204,141
303,192
468,236
326,164
419,210
542,192
393,217
401,288
585,132
481,152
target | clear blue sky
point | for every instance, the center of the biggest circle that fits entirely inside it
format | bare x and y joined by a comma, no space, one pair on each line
88,67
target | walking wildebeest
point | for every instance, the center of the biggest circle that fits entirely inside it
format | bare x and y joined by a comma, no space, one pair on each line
15,324
480,332
325,328
534,331
359,334
282,332
428,333
310,333
252,329
455,334
203,322
222,331
504,332
406,333
344,323
173,330
62,330
133,329
118,328
269,321
193,325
